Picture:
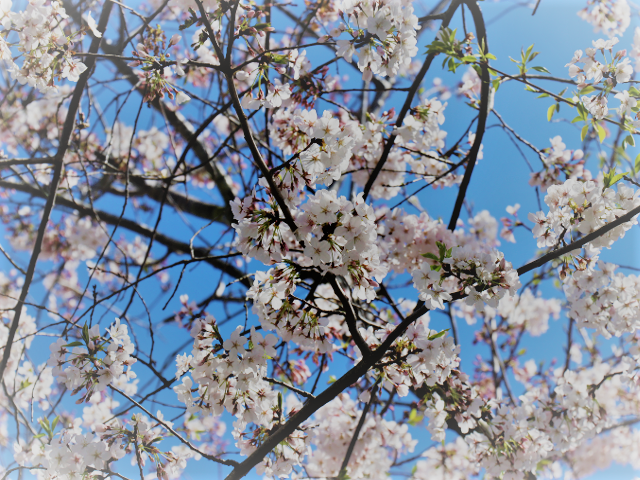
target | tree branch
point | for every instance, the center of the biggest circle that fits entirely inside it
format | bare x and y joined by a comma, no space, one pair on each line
448,15
485,78
64,140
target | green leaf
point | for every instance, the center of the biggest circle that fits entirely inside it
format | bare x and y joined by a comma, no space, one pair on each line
414,417
281,59
637,163
543,95
431,256
85,333
74,344
44,423
587,90
188,23
634,92
610,178
526,55
602,133
55,422
541,69
583,112
629,140
550,111
584,132
577,119
439,334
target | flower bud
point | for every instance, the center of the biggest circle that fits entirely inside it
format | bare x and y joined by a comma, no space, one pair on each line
175,39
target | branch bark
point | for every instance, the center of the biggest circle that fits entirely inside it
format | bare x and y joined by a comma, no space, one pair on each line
447,16
485,78
63,145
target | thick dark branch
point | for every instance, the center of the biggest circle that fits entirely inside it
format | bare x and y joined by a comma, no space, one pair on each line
182,127
448,15
63,145
189,205
352,444
579,243
485,78
350,316
27,161
325,397
244,122
172,244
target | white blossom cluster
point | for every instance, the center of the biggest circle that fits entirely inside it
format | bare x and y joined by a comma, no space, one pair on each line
213,366
620,446
429,356
604,300
320,162
369,147
525,309
260,233
485,278
404,237
229,375
390,40
583,207
611,17
558,160
546,424
340,237
80,239
448,461
94,362
292,320
278,95
26,384
539,434
608,72
42,43
350,145
69,454
634,53
465,408
333,428
421,141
